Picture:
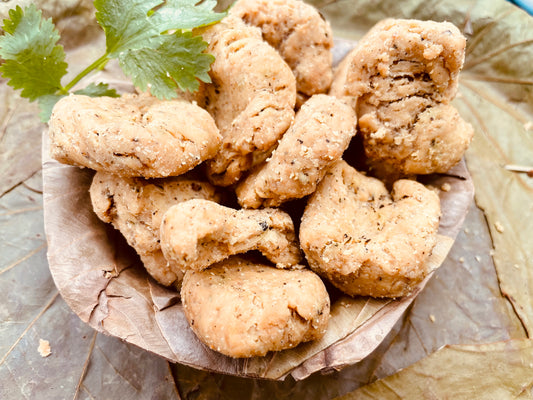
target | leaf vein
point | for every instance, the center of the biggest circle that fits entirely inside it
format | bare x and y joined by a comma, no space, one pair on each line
483,31
117,371
497,79
85,366
488,56
27,256
486,134
22,210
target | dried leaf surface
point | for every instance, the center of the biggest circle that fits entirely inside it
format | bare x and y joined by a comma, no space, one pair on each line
504,369
497,96
31,310
20,139
503,84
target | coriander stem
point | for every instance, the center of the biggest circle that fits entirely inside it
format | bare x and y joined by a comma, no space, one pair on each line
97,64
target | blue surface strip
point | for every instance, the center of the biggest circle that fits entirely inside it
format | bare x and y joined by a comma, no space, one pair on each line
525,4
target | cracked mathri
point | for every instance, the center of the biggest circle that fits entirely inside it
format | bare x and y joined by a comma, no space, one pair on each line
320,133
302,37
251,98
401,77
198,233
366,241
136,206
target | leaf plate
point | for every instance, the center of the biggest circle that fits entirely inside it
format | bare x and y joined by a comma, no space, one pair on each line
102,280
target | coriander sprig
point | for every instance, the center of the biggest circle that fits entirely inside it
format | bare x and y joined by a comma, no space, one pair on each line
150,38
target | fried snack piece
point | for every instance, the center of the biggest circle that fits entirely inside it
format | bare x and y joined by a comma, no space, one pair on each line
403,75
251,97
243,309
134,135
363,239
300,34
135,207
425,138
318,137
198,233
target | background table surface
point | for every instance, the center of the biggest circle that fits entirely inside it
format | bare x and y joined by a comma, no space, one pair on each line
464,304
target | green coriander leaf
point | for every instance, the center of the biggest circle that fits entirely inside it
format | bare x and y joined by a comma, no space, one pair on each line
98,90
177,62
186,14
34,62
127,24
147,36
137,33
15,16
47,102
135,24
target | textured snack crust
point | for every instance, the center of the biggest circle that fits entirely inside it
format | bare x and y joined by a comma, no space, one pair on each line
251,97
321,131
300,34
135,207
402,76
242,309
363,239
425,139
132,135
198,233
400,58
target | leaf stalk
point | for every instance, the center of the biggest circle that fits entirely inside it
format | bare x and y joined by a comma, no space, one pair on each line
98,64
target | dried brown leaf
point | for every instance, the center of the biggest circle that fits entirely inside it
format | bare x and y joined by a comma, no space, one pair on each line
365,14
20,139
31,310
500,370
501,110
